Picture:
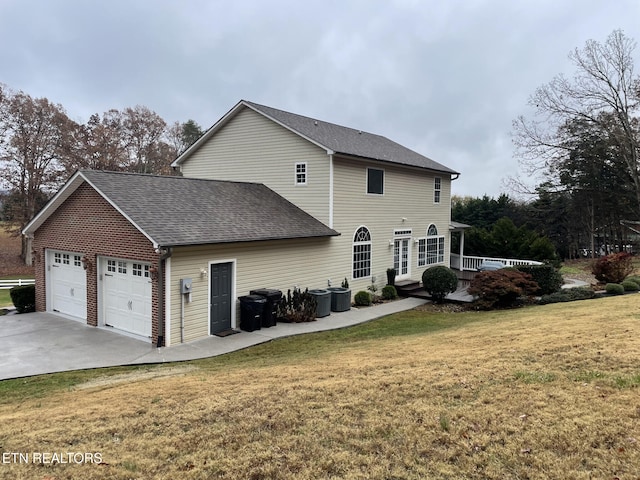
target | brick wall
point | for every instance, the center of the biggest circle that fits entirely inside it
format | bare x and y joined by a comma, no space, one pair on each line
87,224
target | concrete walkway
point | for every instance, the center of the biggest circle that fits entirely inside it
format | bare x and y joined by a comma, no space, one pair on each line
38,343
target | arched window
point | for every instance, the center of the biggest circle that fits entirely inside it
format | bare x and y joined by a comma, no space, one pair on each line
435,246
362,253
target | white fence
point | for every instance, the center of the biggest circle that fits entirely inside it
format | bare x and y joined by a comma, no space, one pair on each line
473,263
7,284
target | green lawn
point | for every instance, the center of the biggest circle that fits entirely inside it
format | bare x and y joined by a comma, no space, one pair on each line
536,392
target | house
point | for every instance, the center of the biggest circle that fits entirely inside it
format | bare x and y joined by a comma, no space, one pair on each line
268,199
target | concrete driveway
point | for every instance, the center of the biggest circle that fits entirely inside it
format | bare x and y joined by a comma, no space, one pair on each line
35,343
38,343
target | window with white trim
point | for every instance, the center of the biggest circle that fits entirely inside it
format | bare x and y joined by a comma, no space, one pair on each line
77,261
111,265
437,188
422,252
301,173
122,267
140,270
362,253
433,248
375,181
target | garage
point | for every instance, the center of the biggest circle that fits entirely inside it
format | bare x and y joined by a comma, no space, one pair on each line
126,295
68,284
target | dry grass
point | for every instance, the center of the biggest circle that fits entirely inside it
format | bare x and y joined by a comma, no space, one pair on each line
538,393
10,262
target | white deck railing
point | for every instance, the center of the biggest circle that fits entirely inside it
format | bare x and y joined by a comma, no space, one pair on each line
473,263
18,282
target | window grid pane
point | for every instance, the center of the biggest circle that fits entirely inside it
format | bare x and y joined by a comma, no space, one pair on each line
422,252
301,173
362,253
361,260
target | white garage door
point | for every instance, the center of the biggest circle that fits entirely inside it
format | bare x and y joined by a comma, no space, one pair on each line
67,284
126,296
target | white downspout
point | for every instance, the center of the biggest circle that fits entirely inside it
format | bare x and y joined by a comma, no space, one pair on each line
330,189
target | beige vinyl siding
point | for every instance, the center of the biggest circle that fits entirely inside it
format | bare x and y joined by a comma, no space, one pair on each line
408,193
252,148
306,263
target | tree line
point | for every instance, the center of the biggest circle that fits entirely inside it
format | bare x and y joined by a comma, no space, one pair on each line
41,147
583,143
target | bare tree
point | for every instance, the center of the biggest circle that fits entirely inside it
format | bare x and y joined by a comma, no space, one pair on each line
144,130
603,92
35,138
100,144
181,136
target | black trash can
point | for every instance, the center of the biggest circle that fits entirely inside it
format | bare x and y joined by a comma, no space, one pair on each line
340,299
272,297
323,301
251,308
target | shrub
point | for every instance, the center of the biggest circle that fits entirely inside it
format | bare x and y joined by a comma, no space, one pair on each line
362,298
614,288
439,281
546,276
501,288
297,307
630,286
568,295
389,292
634,278
24,298
613,268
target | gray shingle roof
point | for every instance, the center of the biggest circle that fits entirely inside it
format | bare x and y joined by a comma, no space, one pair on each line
349,141
185,211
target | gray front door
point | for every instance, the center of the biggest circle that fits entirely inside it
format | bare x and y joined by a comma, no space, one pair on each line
220,297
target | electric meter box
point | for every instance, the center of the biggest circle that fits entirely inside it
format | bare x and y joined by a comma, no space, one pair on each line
185,285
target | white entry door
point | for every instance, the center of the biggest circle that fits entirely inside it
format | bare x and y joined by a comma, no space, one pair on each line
126,296
401,261
67,285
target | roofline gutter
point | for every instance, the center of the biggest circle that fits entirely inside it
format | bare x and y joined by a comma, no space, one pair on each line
351,156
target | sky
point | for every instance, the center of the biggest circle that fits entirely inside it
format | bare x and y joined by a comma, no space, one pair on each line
444,78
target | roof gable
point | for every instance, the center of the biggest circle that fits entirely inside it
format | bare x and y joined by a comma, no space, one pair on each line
331,137
173,211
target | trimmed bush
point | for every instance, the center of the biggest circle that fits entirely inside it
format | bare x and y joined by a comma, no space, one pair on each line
24,298
614,289
568,295
501,288
546,276
389,292
634,278
630,286
613,268
363,299
439,281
